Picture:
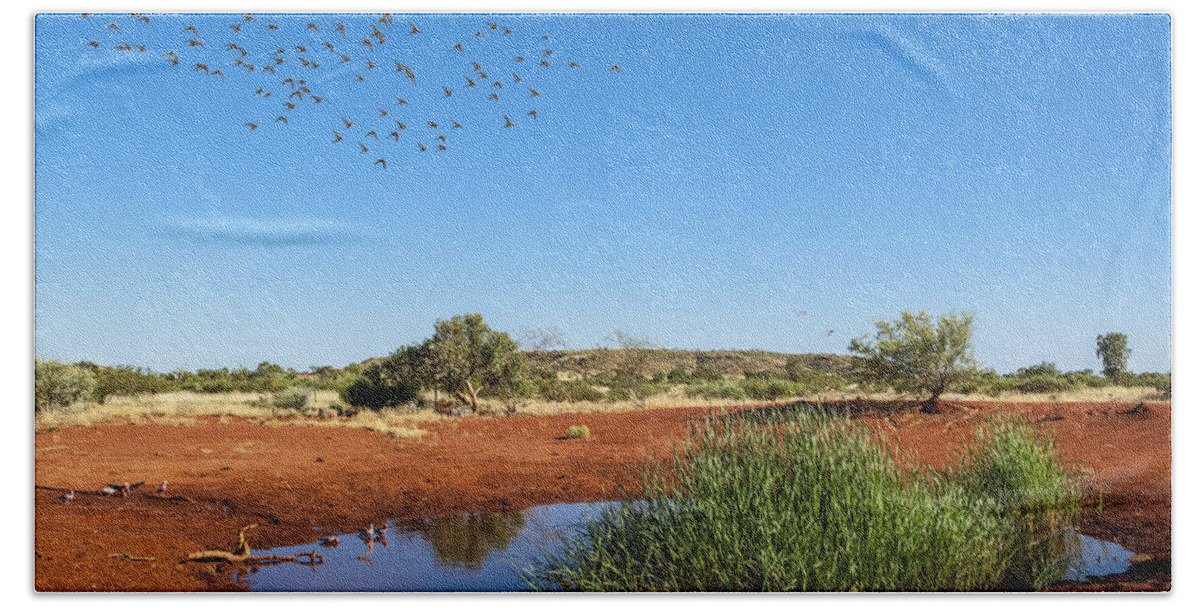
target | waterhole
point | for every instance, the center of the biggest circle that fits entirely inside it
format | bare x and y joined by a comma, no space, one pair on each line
486,551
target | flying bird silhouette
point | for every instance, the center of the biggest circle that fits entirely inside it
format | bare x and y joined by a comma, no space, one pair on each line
282,119
414,28
338,137
349,123
365,149
507,123
382,162
252,126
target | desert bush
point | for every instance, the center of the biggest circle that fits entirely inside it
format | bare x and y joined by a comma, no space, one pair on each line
578,432
1040,384
292,398
770,389
568,391
57,385
727,389
706,373
382,385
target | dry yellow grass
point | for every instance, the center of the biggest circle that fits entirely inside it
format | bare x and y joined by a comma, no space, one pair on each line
183,409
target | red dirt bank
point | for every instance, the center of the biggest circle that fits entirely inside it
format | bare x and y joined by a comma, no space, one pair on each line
290,479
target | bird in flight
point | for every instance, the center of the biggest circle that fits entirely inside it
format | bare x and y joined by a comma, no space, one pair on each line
113,26
516,78
432,125
235,27
572,64
252,126
313,26
507,123
395,135
533,113
614,69
382,162
455,124
414,28
401,125
365,149
470,82
338,137
282,119
421,146
372,133
272,26
401,102
449,92
494,96
533,93
192,29
459,47
382,112
341,29
94,44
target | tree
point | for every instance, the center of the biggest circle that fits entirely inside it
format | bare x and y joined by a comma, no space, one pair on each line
1113,350
58,385
914,356
467,358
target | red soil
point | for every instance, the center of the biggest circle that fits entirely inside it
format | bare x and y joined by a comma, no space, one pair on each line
299,482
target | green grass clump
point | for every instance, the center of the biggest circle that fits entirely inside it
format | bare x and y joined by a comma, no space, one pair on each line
811,503
578,432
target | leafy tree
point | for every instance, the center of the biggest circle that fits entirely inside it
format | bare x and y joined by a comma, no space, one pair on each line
915,356
58,385
1113,351
467,358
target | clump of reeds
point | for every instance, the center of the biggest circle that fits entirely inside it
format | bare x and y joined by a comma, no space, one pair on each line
813,503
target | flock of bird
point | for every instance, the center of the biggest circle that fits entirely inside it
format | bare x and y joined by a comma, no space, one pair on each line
284,75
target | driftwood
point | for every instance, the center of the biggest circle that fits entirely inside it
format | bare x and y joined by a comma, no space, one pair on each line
242,555
132,558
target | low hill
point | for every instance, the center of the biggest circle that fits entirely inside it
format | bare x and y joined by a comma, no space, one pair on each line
734,363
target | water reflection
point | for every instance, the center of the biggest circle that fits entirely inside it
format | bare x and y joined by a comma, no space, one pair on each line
465,541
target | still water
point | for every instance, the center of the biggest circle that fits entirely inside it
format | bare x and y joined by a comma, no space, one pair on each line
478,552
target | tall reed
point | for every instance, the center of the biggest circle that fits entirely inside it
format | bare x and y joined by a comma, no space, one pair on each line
810,502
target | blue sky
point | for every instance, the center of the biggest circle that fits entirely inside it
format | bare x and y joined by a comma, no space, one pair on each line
736,170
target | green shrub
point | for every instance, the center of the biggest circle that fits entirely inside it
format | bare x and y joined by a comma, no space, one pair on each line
578,432
804,503
707,373
292,398
1041,384
57,385
378,389
568,391
769,389
727,389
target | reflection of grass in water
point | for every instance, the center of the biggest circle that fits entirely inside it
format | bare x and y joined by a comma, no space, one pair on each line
812,502
464,541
